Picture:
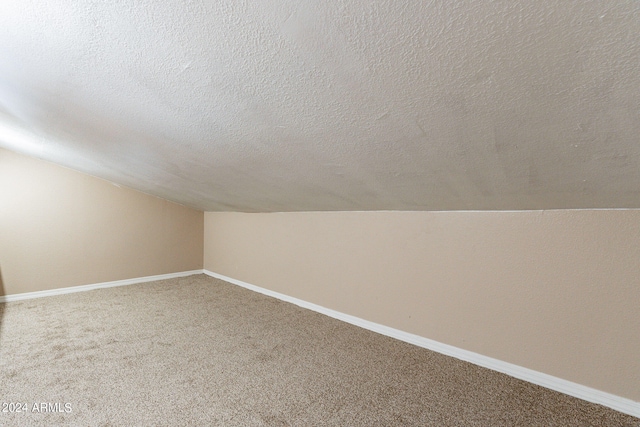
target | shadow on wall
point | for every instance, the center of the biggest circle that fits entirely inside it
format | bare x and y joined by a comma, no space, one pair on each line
2,304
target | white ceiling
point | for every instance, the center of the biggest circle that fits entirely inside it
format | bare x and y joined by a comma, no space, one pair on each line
278,105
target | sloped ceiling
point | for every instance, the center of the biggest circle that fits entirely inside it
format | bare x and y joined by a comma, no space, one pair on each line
278,105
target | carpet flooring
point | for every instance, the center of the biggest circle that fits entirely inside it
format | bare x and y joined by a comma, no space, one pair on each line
197,351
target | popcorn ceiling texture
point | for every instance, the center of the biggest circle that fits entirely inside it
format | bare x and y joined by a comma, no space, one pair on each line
341,105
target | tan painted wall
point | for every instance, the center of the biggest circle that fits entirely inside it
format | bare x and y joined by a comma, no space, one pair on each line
61,228
553,291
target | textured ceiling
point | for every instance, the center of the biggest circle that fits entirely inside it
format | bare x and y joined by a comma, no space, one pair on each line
332,105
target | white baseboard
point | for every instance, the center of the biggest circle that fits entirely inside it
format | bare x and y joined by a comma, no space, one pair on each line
82,288
589,394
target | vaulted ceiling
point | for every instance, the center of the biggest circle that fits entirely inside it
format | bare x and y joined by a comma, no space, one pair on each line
278,105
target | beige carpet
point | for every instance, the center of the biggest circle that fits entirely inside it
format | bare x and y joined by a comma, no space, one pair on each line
197,351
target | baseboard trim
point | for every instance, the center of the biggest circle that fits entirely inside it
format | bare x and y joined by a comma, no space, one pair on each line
589,394
82,288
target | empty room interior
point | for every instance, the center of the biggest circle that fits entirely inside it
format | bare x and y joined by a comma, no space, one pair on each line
320,213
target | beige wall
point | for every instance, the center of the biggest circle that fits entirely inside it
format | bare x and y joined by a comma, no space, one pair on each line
61,228
553,291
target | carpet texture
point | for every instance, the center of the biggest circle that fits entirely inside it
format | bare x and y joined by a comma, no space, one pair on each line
197,351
